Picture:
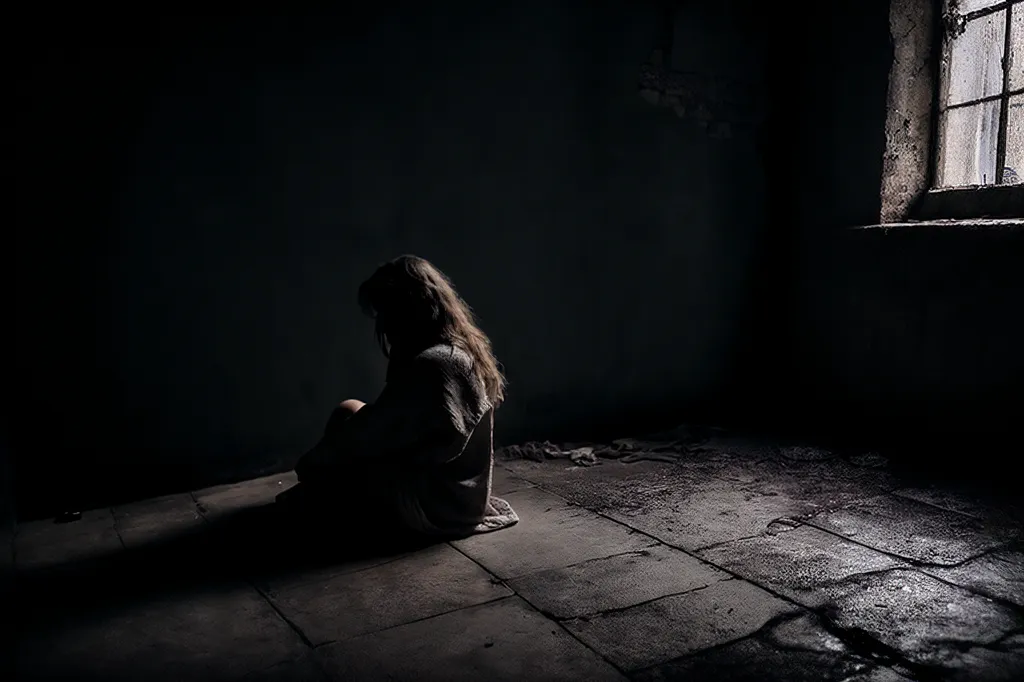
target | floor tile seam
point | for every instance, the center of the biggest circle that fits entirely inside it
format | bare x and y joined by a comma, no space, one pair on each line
539,571
767,625
448,612
544,615
915,563
280,614
117,529
621,609
934,505
561,625
975,591
263,595
690,553
755,635
306,582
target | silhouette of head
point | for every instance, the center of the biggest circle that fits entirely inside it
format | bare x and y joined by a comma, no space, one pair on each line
415,307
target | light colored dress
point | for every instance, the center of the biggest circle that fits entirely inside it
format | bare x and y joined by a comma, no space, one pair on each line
427,445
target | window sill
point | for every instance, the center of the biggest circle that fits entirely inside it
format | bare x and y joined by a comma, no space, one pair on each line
952,225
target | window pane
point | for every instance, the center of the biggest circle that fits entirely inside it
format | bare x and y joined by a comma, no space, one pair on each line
966,6
1017,47
976,56
968,145
1013,169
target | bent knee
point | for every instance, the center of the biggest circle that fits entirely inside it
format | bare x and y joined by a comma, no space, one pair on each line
351,406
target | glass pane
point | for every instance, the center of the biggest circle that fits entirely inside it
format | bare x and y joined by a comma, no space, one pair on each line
969,136
1013,169
976,57
1017,46
965,6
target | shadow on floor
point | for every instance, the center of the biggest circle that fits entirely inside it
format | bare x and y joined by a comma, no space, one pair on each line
254,544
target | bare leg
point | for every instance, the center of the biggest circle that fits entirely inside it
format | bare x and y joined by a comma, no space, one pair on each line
351,405
310,502
342,413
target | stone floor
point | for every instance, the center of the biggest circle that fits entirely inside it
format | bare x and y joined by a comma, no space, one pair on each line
738,562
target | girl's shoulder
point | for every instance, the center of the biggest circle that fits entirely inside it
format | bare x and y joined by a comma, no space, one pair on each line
445,354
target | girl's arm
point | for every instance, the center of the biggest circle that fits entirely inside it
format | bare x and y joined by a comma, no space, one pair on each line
417,415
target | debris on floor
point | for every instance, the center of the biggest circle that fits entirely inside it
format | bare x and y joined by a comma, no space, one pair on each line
663,447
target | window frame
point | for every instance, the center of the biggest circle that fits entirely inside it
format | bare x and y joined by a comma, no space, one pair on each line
972,201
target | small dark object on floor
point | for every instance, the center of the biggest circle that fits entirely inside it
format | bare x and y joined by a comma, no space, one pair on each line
68,517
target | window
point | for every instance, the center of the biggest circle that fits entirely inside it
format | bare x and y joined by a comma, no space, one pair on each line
955,111
980,124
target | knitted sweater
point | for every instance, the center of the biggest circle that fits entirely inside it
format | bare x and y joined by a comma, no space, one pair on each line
430,437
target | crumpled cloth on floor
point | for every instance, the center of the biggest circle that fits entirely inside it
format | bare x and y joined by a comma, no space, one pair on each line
540,451
666,447
499,514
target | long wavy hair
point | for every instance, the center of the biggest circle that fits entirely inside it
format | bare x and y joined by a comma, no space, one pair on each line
414,304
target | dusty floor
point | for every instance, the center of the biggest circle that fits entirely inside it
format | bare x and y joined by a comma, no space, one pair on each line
733,563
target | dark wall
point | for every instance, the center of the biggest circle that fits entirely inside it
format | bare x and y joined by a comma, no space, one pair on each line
204,198
7,515
926,342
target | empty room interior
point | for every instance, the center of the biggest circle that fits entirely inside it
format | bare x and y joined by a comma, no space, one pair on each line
554,340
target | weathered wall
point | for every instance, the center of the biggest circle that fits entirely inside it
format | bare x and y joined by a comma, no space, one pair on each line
205,204
912,82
